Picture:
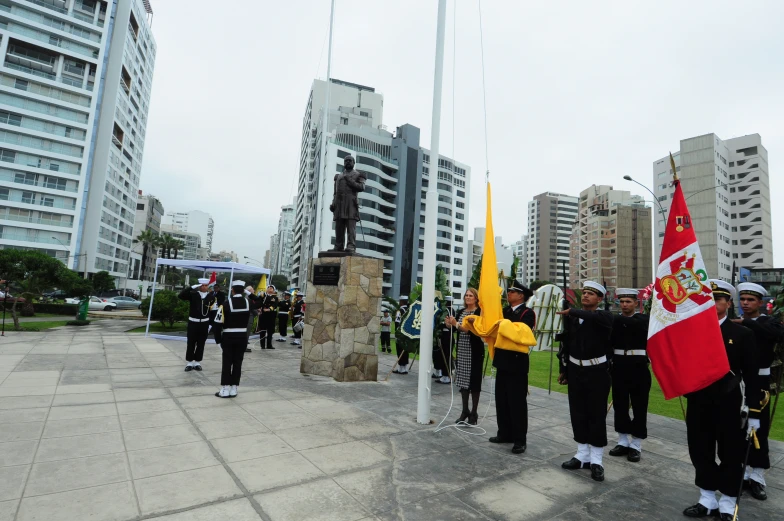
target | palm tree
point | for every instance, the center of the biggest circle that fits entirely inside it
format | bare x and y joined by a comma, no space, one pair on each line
165,244
148,238
177,245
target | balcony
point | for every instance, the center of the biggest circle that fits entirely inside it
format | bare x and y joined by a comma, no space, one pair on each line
27,238
44,201
37,220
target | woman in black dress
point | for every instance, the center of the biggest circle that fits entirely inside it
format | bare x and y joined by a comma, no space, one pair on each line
470,358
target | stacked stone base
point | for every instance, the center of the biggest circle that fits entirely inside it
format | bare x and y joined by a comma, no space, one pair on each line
342,323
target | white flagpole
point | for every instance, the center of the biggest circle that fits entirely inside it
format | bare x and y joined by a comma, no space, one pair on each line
431,215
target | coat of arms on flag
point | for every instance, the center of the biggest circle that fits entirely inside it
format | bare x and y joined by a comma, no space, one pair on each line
411,326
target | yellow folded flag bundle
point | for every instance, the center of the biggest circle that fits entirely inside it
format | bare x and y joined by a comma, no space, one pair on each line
491,325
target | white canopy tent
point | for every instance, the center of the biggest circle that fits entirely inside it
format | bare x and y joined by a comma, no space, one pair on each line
205,266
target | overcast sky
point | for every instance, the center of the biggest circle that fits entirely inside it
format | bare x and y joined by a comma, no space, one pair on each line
577,93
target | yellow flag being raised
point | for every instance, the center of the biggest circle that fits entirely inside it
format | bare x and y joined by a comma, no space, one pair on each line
262,287
491,325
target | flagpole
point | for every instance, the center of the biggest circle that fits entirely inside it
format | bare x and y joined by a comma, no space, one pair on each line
318,222
431,215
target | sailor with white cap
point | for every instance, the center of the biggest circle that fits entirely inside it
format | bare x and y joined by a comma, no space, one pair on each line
631,378
584,357
715,416
767,332
200,299
234,313
269,310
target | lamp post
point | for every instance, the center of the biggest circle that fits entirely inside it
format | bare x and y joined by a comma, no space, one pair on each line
661,208
261,264
720,185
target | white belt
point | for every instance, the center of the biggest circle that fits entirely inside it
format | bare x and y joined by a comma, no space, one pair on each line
283,312
590,361
198,319
235,330
764,372
630,352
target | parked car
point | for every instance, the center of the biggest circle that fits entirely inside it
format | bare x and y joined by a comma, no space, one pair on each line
96,304
11,298
126,302
57,294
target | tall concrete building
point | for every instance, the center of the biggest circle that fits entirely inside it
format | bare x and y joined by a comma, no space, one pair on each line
149,212
281,243
504,255
224,256
611,241
193,246
75,81
551,218
520,250
195,221
369,105
726,184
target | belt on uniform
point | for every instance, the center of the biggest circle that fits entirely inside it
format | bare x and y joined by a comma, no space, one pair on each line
283,312
590,361
764,372
236,330
630,352
198,319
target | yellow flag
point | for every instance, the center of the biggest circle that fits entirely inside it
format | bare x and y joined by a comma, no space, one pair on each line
491,324
262,287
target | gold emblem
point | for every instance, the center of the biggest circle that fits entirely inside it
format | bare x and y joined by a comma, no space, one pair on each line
679,228
730,340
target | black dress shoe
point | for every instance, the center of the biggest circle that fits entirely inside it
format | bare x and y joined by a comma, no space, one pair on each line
597,472
757,490
188,368
619,450
270,347
496,439
518,449
700,510
197,367
728,517
574,464
248,349
263,347
633,456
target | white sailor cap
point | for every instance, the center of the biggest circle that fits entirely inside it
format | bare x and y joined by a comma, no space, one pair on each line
403,297
626,292
448,299
594,287
286,293
722,288
204,281
301,295
273,288
238,283
749,288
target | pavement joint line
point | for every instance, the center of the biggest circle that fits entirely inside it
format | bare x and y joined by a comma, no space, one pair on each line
125,451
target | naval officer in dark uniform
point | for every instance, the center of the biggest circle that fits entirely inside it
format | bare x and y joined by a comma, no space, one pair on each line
584,357
768,331
234,315
511,385
631,378
714,416
200,300
269,310
284,306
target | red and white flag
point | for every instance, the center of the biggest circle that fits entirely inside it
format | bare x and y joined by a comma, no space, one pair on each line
684,340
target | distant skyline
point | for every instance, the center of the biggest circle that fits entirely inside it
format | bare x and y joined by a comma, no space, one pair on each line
576,94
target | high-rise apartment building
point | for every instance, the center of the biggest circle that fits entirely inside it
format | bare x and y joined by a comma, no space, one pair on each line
520,250
75,81
504,255
195,221
726,184
193,249
281,243
149,212
551,217
370,105
611,241
224,256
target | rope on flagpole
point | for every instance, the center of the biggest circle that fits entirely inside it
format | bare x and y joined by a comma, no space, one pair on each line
484,93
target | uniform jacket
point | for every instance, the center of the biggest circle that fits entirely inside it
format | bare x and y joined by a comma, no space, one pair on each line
344,202
591,339
630,333
199,309
767,333
513,361
236,313
298,308
284,306
268,302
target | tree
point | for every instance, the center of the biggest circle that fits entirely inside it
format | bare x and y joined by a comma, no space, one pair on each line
103,282
474,282
167,308
149,239
279,281
166,243
177,245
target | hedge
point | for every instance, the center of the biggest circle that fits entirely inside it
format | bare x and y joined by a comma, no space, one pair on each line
57,309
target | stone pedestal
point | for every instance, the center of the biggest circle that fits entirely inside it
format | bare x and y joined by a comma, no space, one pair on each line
342,322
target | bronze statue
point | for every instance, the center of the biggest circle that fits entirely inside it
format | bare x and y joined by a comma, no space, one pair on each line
345,207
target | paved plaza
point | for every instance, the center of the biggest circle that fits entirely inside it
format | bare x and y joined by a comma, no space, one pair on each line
104,425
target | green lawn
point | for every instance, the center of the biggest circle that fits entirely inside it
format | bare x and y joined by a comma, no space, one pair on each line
157,327
37,326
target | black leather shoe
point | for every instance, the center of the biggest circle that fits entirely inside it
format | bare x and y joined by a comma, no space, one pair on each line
633,456
574,464
728,517
699,510
263,347
188,368
496,439
597,472
248,349
757,490
619,450
197,368
518,449
270,347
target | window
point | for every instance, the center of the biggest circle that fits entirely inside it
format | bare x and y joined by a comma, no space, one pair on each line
460,204
459,262
460,193
459,228
458,215
458,273
457,284
458,249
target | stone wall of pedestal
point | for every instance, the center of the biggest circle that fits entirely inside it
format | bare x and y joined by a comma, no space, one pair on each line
342,323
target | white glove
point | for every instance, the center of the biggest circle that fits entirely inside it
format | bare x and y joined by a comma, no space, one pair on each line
196,286
247,292
753,424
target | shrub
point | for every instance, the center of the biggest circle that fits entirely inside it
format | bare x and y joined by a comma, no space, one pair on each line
57,309
166,308
78,323
27,310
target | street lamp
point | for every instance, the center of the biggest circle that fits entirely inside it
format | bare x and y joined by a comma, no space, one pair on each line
661,208
254,260
720,185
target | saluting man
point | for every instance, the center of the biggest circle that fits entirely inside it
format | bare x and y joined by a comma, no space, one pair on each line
631,378
584,357
201,299
234,313
767,332
283,316
713,417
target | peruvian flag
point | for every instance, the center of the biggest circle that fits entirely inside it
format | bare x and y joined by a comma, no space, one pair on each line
213,278
684,340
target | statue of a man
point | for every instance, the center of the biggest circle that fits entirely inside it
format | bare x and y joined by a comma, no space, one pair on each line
345,207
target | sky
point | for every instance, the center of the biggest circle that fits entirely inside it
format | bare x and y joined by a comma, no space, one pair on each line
577,93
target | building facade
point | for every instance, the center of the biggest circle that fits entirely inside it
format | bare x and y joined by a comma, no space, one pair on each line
223,256
149,212
726,184
75,82
611,241
520,250
551,218
281,244
195,221
193,249
504,255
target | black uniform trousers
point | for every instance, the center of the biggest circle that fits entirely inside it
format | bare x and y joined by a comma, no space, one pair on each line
760,458
511,405
444,352
589,387
631,382
385,339
197,336
233,353
283,324
713,420
268,326
402,349
217,328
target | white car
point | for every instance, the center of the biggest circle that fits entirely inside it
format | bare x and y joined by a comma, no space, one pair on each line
96,304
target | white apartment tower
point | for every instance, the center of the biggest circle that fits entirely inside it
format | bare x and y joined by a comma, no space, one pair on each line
520,250
281,243
75,80
551,218
195,221
726,186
